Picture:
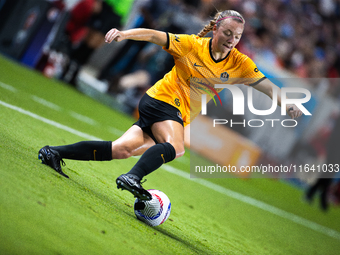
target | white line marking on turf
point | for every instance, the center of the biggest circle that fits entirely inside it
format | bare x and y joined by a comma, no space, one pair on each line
46,103
50,122
116,131
245,199
8,87
83,118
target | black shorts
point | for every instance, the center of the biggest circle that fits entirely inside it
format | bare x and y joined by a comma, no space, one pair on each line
152,110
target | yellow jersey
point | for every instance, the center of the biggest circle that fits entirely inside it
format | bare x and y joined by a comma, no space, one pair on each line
195,73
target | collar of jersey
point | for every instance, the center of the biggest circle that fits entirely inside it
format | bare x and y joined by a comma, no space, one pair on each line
216,61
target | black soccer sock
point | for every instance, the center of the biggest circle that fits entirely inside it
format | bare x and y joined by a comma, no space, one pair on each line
87,150
153,158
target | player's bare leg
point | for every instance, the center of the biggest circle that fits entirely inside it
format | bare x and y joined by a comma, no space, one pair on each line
134,142
172,132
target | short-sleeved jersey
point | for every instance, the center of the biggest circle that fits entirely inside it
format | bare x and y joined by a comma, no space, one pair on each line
195,73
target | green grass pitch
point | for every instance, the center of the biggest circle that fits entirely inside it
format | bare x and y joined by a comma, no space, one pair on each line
42,212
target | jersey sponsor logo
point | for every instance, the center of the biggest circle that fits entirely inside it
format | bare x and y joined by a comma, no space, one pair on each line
179,115
256,70
224,76
177,38
177,102
195,64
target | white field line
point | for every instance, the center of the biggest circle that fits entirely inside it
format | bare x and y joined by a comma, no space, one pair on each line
83,118
235,195
46,103
116,131
8,87
50,122
53,106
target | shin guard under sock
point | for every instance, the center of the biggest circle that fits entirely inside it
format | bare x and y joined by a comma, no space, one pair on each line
87,150
153,158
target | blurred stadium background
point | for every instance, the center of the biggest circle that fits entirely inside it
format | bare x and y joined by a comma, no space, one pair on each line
293,40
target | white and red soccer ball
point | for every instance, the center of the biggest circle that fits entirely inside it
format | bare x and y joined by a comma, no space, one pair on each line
155,211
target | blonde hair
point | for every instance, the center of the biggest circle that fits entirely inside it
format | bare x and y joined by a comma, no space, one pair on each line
218,18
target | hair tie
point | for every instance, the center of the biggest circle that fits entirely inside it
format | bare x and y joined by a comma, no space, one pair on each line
234,17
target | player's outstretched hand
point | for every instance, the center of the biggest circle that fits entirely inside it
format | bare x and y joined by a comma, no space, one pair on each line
114,34
293,111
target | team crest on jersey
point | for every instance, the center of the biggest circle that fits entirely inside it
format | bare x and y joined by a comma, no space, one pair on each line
224,76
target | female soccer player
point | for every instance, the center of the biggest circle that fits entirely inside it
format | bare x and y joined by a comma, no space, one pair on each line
158,135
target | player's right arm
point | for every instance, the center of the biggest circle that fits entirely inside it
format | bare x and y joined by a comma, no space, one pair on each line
137,34
267,87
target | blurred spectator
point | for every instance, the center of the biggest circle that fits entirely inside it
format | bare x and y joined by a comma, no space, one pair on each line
86,28
74,28
323,183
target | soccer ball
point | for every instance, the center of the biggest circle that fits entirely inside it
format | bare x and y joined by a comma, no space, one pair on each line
155,211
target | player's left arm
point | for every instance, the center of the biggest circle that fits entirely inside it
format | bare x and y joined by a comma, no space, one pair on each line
137,34
267,87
